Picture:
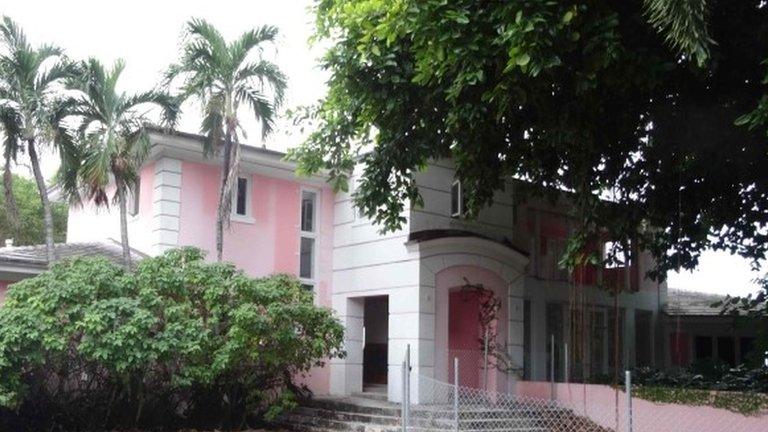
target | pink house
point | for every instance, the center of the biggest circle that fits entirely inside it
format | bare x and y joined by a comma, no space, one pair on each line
405,288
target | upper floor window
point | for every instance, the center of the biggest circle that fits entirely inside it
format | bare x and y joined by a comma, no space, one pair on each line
614,255
308,237
458,200
241,198
133,199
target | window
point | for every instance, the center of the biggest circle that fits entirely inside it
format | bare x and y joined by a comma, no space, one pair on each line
726,350
308,237
241,197
703,347
133,199
458,200
614,255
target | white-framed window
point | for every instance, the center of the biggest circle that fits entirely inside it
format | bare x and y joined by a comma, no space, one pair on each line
308,237
458,200
241,200
133,199
621,257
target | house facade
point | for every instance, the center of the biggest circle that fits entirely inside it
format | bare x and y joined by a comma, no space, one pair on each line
445,286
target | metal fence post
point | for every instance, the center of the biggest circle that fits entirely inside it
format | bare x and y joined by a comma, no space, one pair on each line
403,398
628,384
552,367
456,393
407,400
485,360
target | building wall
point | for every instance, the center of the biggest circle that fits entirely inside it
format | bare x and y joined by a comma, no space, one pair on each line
368,263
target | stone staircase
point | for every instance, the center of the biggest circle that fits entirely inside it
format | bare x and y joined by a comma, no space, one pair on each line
363,412
369,411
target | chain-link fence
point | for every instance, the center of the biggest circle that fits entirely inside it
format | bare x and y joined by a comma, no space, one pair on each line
445,402
441,406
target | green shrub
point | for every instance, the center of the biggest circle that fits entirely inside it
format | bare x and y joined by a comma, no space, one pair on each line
178,342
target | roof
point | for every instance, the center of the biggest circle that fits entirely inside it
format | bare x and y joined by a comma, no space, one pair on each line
692,303
198,137
432,234
35,255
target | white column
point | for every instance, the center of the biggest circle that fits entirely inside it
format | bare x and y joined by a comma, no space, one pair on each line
347,373
411,322
166,205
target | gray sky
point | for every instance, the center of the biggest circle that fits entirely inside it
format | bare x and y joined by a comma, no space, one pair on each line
146,35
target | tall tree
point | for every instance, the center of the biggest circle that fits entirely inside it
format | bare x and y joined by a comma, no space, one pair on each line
30,210
30,80
622,98
225,77
113,142
10,153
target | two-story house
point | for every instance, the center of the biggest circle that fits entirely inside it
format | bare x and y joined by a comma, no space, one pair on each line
417,287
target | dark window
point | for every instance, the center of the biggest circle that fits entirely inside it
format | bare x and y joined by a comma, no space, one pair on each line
308,211
456,199
703,347
241,196
747,345
307,257
133,199
726,350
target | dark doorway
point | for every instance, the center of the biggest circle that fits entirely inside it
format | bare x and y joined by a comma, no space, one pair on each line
375,341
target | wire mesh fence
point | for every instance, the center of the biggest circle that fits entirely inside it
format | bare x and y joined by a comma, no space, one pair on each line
452,401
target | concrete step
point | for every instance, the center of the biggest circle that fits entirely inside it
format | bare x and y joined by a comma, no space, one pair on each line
355,405
302,422
383,420
373,395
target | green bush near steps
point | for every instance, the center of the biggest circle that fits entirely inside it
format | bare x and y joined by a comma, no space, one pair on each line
178,342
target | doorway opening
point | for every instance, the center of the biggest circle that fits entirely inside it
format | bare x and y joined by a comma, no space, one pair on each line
375,344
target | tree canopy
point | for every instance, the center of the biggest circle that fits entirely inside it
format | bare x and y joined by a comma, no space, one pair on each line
30,230
659,106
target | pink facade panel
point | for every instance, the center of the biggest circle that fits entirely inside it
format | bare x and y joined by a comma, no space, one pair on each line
265,242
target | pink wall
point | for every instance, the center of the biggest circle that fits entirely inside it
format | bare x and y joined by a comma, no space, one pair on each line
598,402
270,243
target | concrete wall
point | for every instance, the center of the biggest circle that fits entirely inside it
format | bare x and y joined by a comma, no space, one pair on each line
367,263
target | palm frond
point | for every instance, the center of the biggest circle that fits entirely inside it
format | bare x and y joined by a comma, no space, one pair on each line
683,23
242,46
267,74
262,108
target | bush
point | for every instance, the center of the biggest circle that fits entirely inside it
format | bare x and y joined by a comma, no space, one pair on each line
177,343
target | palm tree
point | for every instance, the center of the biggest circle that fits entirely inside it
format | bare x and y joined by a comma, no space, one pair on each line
30,80
10,152
223,77
112,139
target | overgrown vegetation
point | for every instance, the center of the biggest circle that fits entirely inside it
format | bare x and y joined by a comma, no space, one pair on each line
738,389
177,343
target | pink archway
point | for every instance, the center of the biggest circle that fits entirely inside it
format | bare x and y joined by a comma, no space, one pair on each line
457,324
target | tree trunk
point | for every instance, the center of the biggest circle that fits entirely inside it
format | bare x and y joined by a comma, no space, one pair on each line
10,199
123,223
43,191
224,195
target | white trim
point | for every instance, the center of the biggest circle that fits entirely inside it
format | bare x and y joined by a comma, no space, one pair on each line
468,245
248,216
456,214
